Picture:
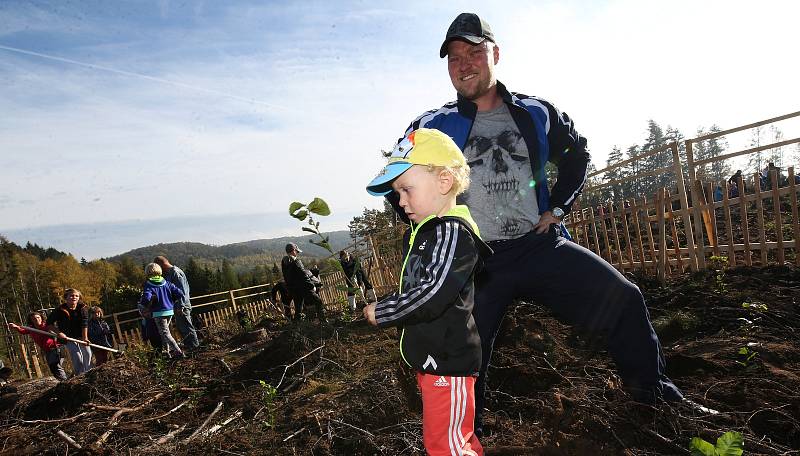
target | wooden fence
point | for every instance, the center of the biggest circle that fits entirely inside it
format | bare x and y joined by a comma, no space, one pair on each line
683,227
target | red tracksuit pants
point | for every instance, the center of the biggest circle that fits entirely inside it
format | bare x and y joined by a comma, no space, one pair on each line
448,415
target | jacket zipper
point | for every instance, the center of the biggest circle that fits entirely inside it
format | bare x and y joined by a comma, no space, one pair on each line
413,236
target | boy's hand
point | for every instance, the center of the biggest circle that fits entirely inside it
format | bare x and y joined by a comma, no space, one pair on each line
369,314
13,325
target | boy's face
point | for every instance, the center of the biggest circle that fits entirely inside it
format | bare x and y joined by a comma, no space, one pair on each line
37,320
422,193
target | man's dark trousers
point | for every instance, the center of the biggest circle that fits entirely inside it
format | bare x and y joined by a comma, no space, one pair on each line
581,289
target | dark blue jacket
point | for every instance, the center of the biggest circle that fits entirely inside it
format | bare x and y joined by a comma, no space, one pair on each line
548,133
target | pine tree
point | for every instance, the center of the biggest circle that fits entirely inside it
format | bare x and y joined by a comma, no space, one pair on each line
614,192
719,170
633,186
228,278
655,139
775,155
756,160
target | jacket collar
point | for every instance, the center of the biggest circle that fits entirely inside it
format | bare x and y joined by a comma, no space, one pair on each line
470,109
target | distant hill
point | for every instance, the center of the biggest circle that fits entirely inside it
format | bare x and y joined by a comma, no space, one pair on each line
241,254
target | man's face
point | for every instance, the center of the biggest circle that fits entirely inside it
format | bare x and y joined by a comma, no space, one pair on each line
471,67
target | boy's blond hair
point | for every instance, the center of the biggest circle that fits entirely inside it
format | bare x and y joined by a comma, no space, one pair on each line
461,179
152,269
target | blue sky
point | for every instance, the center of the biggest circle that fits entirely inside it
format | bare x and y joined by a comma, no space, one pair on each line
146,110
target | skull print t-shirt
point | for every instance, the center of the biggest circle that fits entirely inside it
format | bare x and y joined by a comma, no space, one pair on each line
500,197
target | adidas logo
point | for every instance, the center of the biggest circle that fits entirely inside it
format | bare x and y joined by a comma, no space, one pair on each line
441,382
422,246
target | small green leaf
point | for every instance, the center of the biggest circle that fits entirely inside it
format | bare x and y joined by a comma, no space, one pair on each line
324,244
341,288
700,447
730,444
319,206
294,207
301,215
335,265
310,230
744,351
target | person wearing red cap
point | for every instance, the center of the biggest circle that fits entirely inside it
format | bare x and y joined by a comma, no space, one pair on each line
507,139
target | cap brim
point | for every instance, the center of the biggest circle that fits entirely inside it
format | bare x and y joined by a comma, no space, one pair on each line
468,38
382,184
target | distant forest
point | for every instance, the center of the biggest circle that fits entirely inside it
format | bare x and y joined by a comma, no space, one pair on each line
34,277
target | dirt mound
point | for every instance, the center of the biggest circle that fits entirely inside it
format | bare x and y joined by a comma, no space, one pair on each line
730,338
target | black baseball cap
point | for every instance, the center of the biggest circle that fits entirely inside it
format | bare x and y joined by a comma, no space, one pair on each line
467,27
290,247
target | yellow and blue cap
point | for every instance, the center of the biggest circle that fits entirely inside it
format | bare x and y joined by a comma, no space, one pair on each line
424,146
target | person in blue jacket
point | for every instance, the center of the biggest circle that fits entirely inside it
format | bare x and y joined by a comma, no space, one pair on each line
157,302
507,139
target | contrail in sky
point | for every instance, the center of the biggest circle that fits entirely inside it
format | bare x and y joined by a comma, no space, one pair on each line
144,76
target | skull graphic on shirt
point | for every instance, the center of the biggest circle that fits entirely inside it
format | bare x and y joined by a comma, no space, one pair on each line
498,167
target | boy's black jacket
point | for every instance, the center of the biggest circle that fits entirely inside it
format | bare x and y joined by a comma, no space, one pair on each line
434,304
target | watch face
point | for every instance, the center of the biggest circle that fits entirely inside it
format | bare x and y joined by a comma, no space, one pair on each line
558,212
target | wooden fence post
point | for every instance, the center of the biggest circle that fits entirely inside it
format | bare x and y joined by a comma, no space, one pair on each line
694,236
662,237
776,209
233,300
744,223
117,328
762,235
795,222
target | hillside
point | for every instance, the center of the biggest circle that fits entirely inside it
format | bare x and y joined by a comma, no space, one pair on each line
343,389
241,254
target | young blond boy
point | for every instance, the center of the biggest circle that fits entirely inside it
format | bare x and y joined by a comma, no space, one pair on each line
433,306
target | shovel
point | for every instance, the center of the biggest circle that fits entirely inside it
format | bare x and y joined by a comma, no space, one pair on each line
55,336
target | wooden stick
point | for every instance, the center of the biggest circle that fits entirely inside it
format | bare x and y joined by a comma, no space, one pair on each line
217,427
626,230
662,237
712,215
776,209
296,361
649,229
170,435
295,433
55,336
615,235
674,227
70,441
795,222
594,233
637,227
762,236
205,423
743,222
726,208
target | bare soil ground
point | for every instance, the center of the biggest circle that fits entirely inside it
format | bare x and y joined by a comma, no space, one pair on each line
343,389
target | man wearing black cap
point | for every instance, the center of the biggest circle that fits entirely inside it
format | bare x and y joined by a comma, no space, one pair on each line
507,139
301,285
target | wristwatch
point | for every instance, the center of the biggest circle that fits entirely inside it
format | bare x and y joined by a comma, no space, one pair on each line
558,212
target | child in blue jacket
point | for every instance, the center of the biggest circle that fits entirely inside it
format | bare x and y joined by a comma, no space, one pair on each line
157,303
